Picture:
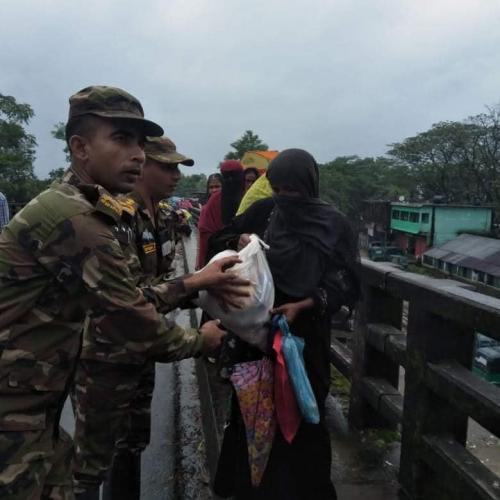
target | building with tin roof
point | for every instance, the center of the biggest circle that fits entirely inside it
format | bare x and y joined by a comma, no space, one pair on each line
470,257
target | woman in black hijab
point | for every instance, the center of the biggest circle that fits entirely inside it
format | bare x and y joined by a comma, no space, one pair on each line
219,210
312,257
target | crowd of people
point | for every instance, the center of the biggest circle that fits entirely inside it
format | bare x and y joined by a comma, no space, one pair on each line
87,279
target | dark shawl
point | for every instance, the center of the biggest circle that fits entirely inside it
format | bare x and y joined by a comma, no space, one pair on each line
233,188
220,208
305,234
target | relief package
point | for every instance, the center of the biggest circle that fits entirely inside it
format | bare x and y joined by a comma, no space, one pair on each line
249,322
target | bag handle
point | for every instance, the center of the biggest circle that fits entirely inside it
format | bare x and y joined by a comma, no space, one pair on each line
262,243
279,322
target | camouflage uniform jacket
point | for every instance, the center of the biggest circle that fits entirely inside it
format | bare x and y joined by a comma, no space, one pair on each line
152,252
61,257
155,247
155,238
149,254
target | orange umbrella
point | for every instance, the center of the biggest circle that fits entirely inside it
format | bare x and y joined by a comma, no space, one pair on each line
258,159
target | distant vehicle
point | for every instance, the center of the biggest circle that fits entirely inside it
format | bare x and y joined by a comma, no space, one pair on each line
382,253
484,341
487,364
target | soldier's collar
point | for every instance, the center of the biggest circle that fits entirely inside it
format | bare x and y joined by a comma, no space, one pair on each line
70,177
129,203
90,191
141,204
100,197
135,196
110,205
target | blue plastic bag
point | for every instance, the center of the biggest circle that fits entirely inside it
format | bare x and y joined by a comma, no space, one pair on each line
293,352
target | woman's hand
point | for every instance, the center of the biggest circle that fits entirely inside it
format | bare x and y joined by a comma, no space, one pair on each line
292,309
243,241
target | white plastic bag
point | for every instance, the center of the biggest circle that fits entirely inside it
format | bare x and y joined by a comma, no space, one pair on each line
247,323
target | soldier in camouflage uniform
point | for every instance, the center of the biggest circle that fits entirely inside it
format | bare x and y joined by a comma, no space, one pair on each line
102,426
61,259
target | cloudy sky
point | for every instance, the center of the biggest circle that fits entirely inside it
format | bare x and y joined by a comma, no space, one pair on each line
336,77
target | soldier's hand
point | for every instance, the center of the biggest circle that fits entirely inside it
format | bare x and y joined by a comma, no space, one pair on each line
217,277
212,336
229,289
217,273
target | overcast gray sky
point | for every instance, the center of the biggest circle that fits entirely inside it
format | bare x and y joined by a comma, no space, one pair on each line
335,77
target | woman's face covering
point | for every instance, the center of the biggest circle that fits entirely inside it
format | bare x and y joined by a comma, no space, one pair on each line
286,191
294,172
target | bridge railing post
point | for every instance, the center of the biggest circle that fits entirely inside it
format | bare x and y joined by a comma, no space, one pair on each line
441,393
430,339
376,307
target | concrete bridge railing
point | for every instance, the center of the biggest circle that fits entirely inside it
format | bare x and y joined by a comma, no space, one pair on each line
439,393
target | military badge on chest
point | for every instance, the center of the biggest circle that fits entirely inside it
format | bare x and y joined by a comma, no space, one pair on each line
123,234
167,244
148,242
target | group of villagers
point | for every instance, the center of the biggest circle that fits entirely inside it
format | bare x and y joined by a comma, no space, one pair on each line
312,257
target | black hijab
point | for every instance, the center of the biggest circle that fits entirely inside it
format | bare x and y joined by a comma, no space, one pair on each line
305,234
233,188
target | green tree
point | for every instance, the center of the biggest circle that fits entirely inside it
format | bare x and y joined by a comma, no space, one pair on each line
17,151
349,180
54,175
459,160
190,185
247,142
59,132
485,157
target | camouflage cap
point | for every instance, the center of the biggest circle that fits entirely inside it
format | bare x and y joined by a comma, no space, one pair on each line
110,102
162,149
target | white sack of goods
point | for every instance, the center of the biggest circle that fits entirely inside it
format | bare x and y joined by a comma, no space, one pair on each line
249,322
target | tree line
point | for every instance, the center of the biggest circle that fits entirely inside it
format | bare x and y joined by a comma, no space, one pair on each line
458,161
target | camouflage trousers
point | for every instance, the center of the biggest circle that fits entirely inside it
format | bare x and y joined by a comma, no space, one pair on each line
112,403
34,465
